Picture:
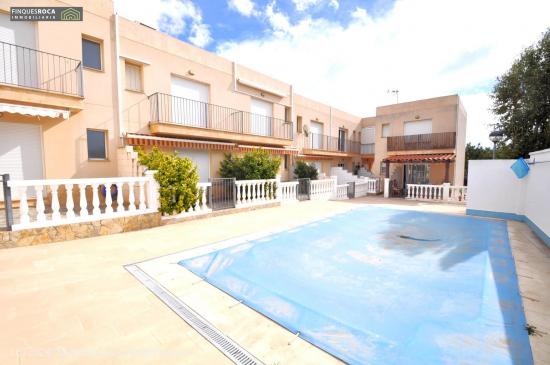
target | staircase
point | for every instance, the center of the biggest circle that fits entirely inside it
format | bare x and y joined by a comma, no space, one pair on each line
343,175
363,172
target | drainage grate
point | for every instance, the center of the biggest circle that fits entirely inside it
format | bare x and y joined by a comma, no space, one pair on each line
223,343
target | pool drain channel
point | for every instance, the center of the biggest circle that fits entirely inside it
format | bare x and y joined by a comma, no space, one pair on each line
223,343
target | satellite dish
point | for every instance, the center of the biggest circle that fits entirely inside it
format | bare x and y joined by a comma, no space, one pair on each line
305,129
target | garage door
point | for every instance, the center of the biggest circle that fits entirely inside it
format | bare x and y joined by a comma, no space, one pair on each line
20,152
201,159
190,102
262,116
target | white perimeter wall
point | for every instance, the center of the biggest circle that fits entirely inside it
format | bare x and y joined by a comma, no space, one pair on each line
493,187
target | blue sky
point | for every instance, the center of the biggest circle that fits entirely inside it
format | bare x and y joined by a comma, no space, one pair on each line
227,24
348,54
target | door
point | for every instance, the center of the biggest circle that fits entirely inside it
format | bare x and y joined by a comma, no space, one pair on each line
222,193
20,152
189,102
316,131
261,118
341,140
304,189
19,66
201,160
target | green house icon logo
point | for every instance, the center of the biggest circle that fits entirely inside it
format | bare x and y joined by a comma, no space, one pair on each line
70,15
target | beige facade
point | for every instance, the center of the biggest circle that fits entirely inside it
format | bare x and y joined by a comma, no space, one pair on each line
152,89
444,118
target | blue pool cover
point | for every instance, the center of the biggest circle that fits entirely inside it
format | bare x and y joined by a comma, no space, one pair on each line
384,286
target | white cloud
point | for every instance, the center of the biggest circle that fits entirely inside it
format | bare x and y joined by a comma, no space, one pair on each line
418,47
244,7
303,5
175,17
278,20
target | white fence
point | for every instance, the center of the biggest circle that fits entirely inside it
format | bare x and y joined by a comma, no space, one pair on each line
255,192
288,192
322,189
341,192
66,201
437,193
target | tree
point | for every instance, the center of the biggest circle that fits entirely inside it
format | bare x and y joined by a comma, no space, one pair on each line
177,177
257,165
305,171
478,152
521,100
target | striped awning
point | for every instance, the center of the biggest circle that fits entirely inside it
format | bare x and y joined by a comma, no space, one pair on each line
427,157
34,111
134,139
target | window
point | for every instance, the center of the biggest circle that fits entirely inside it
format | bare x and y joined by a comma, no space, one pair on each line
385,130
91,54
382,168
97,146
417,174
417,127
286,162
299,124
133,77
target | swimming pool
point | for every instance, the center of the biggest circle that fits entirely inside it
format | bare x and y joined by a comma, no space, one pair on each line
384,286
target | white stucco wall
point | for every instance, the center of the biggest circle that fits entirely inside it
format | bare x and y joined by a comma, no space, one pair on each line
493,187
536,203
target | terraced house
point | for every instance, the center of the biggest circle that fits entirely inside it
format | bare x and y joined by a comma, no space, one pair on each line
77,97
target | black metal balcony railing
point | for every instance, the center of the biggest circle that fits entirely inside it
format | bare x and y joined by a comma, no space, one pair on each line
430,141
27,67
191,113
332,144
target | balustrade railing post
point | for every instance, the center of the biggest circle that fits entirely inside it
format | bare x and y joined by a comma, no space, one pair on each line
446,188
153,191
7,201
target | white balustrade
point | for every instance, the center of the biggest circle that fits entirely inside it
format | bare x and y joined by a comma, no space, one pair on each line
200,206
341,192
61,209
255,192
322,189
361,188
437,193
288,191
458,194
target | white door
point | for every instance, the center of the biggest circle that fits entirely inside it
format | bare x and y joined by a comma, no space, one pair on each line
201,160
19,66
418,127
316,131
189,102
20,152
261,118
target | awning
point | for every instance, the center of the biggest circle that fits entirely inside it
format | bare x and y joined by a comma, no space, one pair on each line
34,111
135,139
428,157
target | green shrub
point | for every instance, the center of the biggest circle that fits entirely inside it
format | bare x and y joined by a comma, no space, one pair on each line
305,171
177,177
257,165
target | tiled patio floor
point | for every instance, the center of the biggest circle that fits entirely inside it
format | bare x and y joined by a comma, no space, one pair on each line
73,302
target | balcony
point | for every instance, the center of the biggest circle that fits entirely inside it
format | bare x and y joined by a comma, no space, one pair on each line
37,70
328,145
176,116
430,141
